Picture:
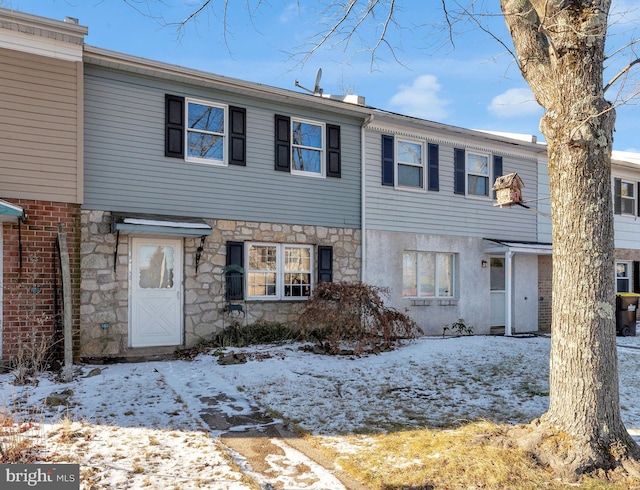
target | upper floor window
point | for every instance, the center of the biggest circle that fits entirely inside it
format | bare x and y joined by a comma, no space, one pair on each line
203,131
475,172
306,147
405,163
279,271
428,274
624,197
410,164
307,144
206,129
623,277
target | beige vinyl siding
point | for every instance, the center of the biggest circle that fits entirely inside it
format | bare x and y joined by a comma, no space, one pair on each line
443,212
40,127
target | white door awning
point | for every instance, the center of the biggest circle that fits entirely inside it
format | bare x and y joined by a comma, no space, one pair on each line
492,246
159,225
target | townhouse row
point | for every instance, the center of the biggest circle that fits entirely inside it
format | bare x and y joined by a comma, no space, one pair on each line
191,200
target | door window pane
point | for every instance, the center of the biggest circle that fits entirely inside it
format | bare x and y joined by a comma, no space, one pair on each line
155,265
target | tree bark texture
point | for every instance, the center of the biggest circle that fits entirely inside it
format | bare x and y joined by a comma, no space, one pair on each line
560,47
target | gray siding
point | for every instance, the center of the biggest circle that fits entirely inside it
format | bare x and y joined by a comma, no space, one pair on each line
126,170
443,212
40,153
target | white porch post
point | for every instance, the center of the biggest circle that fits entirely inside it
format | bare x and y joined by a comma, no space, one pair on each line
508,303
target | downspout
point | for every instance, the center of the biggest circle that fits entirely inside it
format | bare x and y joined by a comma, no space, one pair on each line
363,196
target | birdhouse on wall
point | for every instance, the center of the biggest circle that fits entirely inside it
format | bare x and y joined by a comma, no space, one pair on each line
508,190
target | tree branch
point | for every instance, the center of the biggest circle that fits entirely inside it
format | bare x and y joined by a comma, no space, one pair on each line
620,73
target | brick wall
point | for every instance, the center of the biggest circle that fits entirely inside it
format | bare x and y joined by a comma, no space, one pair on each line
32,291
544,292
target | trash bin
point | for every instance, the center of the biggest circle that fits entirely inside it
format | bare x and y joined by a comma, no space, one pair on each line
626,306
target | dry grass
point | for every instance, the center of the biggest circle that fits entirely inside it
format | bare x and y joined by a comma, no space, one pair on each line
20,435
469,457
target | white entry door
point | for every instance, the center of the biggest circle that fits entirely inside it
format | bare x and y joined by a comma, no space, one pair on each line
497,283
156,292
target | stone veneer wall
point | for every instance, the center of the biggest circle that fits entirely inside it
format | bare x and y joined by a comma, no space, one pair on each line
105,293
32,295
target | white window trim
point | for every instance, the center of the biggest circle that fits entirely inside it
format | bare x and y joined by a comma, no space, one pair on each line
396,163
629,265
436,296
280,272
488,176
225,136
323,172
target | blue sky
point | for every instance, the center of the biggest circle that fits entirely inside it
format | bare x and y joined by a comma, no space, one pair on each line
473,84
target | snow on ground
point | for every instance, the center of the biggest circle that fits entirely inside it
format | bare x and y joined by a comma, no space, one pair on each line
136,425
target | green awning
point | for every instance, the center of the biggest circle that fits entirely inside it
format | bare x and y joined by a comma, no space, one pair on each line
10,212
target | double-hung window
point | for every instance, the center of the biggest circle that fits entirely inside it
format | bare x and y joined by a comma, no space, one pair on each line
624,197
206,132
623,277
279,271
477,174
428,274
307,146
410,166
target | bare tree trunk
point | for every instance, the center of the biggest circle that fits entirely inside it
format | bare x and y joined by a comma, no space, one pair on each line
561,53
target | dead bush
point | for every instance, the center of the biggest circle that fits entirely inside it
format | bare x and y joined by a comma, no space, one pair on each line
353,313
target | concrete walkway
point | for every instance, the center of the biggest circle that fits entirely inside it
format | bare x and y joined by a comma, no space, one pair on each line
268,452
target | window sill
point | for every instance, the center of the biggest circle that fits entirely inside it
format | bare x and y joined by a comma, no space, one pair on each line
433,301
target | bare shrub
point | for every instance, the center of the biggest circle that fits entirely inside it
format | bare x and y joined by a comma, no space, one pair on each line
34,356
353,313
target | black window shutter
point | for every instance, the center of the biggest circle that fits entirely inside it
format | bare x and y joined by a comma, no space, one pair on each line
174,126
387,160
637,196
325,264
636,277
497,170
433,167
617,201
283,143
237,136
333,151
235,279
459,171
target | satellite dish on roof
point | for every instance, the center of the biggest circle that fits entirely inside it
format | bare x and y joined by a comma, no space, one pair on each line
316,86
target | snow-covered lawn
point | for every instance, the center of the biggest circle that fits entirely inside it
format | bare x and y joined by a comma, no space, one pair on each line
137,425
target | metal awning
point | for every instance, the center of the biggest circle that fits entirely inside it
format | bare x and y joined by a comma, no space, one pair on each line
159,225
10,212
492,246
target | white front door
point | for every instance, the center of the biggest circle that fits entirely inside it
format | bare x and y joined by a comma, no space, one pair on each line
497,284
156,292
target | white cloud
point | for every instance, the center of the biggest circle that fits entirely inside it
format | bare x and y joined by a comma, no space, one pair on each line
421,99
515,102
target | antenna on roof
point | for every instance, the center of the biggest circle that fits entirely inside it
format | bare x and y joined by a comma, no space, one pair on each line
316,87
